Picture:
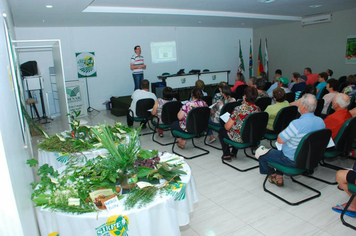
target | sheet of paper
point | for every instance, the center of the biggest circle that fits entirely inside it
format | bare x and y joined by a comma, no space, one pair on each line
184,102
331,143
212,105
225,117
279,146
150,109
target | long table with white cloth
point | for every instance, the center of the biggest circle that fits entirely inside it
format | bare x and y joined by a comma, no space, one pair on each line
163,216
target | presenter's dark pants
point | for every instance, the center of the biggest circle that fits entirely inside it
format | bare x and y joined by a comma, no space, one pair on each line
137,80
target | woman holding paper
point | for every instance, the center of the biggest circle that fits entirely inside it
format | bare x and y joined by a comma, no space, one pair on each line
233,125
216,108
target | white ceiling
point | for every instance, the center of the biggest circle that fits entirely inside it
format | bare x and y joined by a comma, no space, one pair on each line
189,13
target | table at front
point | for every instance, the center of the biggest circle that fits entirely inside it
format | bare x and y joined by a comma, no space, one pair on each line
161,217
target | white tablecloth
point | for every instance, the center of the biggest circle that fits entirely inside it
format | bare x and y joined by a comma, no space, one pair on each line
161,217
59,159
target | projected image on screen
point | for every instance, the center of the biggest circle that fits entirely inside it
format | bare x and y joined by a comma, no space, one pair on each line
163,52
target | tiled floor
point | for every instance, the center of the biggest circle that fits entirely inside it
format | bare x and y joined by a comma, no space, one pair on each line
234,203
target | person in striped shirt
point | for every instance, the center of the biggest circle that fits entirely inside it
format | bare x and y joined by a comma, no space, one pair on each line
137,66
291,137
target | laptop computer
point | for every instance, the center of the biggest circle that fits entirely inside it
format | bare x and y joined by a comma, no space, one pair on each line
180,72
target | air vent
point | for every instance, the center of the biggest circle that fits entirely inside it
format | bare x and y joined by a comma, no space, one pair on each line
316,19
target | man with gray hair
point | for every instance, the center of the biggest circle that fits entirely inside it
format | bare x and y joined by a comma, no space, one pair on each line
291,137
334,121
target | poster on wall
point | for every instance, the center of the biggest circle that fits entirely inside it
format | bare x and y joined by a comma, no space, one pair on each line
86,64
350,57
76,97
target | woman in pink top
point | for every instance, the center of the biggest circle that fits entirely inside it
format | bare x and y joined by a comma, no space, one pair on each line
240,80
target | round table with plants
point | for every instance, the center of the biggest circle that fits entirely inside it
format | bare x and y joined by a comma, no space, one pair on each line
128,191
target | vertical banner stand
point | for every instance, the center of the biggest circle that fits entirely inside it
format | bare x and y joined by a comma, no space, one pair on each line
89,109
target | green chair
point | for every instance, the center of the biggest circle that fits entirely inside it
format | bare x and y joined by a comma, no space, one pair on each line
306,159
252,131
352,190
228,107
282,120
142,112
343,144
197,124
263,102
352,104
168,116
319,107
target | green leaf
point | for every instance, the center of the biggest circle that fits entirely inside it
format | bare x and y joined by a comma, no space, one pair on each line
146,154
32,162
143,171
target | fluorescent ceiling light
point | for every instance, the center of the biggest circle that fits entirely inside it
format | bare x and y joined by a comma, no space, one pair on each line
185,12
49,6
266,1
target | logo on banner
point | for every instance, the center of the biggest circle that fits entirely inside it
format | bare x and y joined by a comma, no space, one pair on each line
86,64
115,225
183,80
213,77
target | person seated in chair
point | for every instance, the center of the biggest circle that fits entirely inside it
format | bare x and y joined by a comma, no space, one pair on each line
300,85
137,95
309,89
260,85
290,138
215,110
332,86
182,115
157,108
323,77
343,177
279,96
337,119
201,85
350,89
295,76
219,95
233,126
240,80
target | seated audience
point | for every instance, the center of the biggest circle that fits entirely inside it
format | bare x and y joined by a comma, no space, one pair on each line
330,73
233,126
341,114
343,177
277,75
182,115
309,89
283,84
312,78
350,89
290,139
252,81
332,86
240,80
219,95
215,110
300,85
323,77
353,112
279,96
263,75
260,85
295,76
138,94
157,108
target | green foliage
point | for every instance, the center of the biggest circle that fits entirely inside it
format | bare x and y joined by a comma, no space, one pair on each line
32,162
145,154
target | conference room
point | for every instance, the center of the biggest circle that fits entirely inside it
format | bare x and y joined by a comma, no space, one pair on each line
193,35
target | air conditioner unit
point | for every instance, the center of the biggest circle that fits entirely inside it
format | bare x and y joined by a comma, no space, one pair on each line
316,19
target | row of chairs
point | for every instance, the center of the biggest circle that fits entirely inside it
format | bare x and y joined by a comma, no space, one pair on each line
310,153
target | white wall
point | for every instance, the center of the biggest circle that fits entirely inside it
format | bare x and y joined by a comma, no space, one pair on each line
197,48
16,215
292,47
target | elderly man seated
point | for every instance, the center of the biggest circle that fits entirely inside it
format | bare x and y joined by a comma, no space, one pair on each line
290,138
337,119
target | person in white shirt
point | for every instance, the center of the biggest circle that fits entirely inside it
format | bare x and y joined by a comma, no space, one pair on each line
137,95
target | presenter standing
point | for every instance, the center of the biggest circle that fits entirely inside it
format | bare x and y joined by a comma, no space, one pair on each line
137,66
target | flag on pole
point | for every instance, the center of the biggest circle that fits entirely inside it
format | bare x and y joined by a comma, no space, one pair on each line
241,68
250,62
260,61
266,59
